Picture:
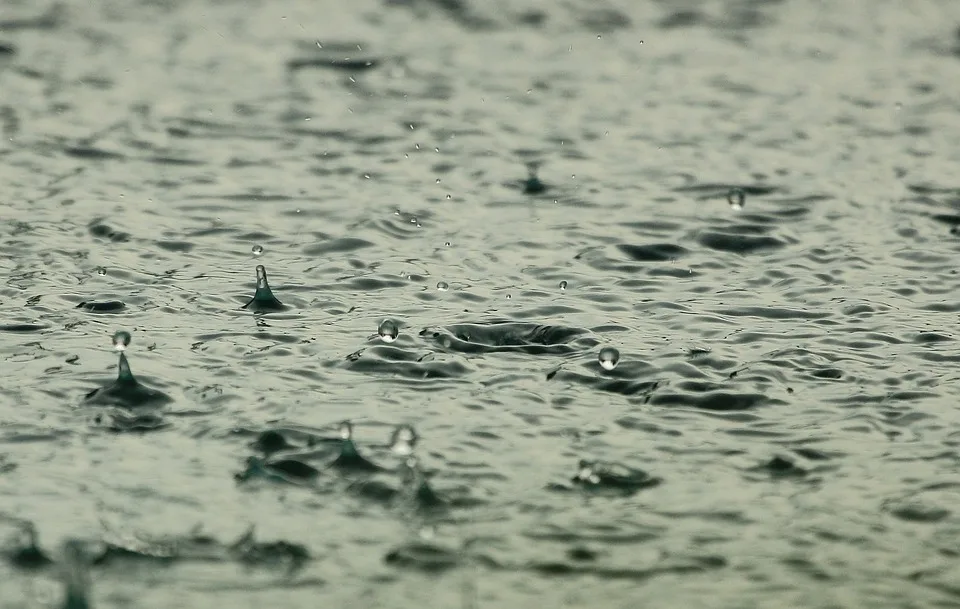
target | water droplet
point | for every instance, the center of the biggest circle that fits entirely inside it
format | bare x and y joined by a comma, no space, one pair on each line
346,430
403,440
449,197
101,271
509,296
563,285
121,340
438,180
736,198
388,330
587,473
257,250
443,286
609,358
447,244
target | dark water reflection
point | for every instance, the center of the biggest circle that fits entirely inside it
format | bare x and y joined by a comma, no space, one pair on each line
517,185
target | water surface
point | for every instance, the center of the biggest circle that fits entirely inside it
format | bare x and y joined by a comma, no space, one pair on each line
784,406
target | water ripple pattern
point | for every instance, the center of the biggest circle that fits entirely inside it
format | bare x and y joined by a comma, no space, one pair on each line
670,293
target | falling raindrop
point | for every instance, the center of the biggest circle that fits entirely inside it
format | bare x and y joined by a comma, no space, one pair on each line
443,286
736,198
388,330
403,440
609,358
121,340
257,250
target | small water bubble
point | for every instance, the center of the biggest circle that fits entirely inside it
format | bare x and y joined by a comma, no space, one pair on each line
346,430
101,271
736,198
563,285
449,197
509,296
403,440
121,340
388,330
443,286
438,180
257,250
608,358
447,244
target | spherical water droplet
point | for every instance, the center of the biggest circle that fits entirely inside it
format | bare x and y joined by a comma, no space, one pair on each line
388,330
449,197
609,358
443,286
447,244
563,285
403,440
101,271
736,198
257,250
346,430
121,340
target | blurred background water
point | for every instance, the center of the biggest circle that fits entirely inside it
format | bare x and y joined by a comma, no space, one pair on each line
754,202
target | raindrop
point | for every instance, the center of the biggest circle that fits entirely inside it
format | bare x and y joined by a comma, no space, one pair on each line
101,271
609,358
257,250
563,285
509,296
449,197
388,330
346,430
443,286
736,198
447,244
403,440
121,340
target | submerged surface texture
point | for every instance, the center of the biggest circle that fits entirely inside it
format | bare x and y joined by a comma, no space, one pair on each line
782,427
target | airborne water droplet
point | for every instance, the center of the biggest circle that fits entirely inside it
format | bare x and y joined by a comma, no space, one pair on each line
388,330
346,430
736,198
443,286
403,440
101,271
257,250
121,340
563,285
609,358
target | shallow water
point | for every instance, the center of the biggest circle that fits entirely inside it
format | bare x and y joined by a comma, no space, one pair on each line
787,381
